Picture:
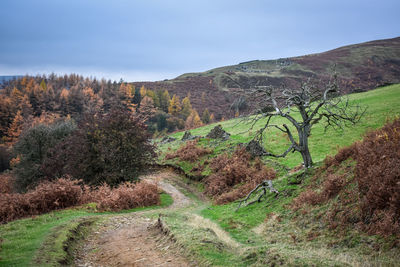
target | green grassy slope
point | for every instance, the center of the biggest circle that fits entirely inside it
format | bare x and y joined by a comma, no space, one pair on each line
270,232
382,104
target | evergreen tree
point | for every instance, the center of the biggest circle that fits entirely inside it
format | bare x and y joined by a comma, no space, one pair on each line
137,98
164,101
205,117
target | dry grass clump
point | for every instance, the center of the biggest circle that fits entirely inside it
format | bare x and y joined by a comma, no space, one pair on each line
189,152
126,196
235,176
6,183
46,197
63,193
374,202
378,179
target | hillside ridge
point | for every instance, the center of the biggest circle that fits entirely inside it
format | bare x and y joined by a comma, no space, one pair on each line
360,67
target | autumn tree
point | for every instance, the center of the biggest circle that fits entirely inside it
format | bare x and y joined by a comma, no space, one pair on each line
43,85
143,91
193,121
126,94
15,128
186,108
146,108
174,106
6,115
25,107
212,117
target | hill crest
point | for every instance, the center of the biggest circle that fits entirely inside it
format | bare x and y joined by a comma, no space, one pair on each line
360,67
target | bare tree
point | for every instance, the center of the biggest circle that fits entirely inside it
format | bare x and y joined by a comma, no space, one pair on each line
314,105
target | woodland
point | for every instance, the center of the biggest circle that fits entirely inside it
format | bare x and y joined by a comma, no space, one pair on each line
89,151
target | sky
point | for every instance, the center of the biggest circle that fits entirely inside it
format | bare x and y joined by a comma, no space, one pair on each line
148,40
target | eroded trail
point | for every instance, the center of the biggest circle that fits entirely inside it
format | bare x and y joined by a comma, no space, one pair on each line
132,239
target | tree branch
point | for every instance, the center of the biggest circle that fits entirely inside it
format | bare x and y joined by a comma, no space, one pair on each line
266,184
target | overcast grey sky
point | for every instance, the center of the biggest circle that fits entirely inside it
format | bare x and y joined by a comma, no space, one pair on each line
160,39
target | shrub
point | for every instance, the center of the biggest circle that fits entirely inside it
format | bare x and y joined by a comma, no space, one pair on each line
5,157
126,196
6,183
306,197
375,201
342,155
189,152
378,178
63,193
235,176
46,197
110,148
32,149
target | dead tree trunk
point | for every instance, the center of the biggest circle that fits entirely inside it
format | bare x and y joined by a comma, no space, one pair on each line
314,106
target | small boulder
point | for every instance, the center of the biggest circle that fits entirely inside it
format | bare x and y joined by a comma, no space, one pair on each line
218,133
167,139
255,148
188,136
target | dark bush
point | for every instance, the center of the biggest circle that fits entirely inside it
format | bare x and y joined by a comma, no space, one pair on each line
5,157
32,148
110,148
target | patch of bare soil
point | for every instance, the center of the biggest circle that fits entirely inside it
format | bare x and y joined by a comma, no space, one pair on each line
133,239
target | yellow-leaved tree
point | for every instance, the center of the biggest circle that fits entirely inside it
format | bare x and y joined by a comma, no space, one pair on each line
186,107
193,121
174,106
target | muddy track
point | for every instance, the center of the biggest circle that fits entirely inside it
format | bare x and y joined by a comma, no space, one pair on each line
133,239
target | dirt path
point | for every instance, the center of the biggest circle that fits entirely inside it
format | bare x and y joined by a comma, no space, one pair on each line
132,239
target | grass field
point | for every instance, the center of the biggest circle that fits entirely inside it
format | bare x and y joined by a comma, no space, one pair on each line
382,104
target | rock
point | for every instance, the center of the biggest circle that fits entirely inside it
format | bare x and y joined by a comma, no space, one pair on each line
167,139
218,133
188,136
255,148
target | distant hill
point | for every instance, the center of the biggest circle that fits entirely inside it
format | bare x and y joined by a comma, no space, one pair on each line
360,67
